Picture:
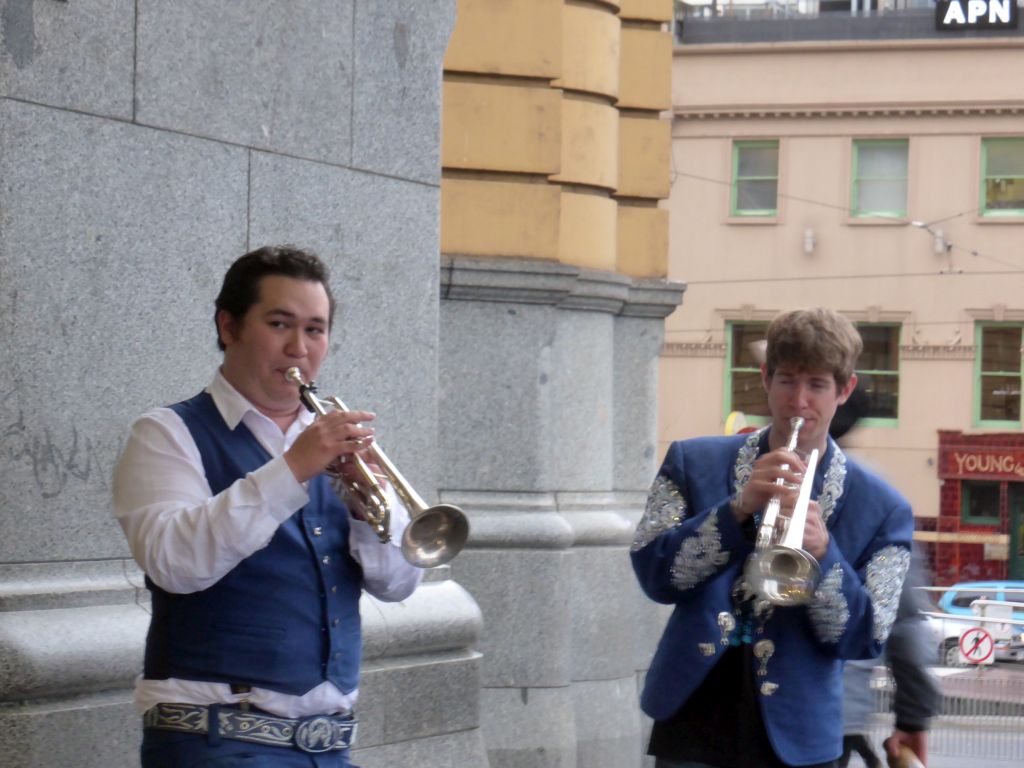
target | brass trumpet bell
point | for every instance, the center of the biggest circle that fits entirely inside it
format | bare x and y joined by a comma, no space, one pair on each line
434,536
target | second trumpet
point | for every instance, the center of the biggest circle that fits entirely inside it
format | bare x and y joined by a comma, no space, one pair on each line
780,570
435,534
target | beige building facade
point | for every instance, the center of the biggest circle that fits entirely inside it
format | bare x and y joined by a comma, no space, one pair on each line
883,178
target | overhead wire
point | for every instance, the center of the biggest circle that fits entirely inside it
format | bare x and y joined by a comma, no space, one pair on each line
1015,267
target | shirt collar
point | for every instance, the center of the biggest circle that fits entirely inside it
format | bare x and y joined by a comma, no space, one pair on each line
233,406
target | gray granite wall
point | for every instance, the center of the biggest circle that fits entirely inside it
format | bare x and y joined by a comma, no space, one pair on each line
143,146
547,424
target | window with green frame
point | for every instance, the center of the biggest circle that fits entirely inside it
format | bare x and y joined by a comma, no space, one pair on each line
879,175
998,374
1002,177
755,178
743,390
979,502
878,375
877,370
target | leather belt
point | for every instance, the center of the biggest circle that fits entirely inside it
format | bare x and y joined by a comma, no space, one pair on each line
317,733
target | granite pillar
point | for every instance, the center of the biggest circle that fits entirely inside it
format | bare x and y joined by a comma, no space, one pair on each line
538,409
145,145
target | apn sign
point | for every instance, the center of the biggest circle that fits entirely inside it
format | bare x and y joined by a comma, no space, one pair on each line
976,14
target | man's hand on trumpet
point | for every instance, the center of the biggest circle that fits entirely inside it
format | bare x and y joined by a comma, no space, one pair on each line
816,535
348,469
769,469
780,473
332,437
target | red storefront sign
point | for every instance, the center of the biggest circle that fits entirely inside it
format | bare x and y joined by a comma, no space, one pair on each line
981,463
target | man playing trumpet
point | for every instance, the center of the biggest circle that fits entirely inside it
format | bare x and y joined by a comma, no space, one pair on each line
738,681
254,564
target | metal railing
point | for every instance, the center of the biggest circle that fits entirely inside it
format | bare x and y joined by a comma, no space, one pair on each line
785,9
982,715
747,11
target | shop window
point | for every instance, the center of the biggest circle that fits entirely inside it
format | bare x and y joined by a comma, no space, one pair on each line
755,182
998,379
1002,177
979,502
879,178
743,380
878,375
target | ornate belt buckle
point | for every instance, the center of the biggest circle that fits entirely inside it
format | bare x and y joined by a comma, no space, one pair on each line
316,734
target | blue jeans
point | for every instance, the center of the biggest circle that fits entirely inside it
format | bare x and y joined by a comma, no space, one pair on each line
168,749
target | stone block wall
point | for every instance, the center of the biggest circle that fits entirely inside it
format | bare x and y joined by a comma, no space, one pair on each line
143,146
548,432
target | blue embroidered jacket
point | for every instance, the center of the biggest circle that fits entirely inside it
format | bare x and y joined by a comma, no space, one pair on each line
287,617
689,551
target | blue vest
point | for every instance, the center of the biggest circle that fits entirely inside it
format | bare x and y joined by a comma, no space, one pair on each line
285,618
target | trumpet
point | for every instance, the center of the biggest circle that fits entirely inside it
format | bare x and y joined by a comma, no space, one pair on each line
780,570
434,536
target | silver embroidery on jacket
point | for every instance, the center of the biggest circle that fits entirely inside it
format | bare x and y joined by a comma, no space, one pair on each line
831,490
666,509
885,573
699,556
829,610
745,460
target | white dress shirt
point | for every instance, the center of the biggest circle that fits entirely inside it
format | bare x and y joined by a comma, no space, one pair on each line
186,539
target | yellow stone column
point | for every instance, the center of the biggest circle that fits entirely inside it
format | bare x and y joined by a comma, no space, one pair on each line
590,134
645,137
501,130
553,144
555,157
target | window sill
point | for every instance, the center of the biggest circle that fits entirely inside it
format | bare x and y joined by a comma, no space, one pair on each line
752,220
878,423
877,221
968,525
982,424
1001,218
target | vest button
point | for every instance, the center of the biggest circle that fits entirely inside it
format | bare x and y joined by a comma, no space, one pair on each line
337,655
318,531
334,623
326,559
334,589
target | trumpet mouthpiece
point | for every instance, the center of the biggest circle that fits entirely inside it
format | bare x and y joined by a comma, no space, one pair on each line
294,374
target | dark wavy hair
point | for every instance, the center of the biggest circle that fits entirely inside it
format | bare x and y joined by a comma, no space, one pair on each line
241,287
